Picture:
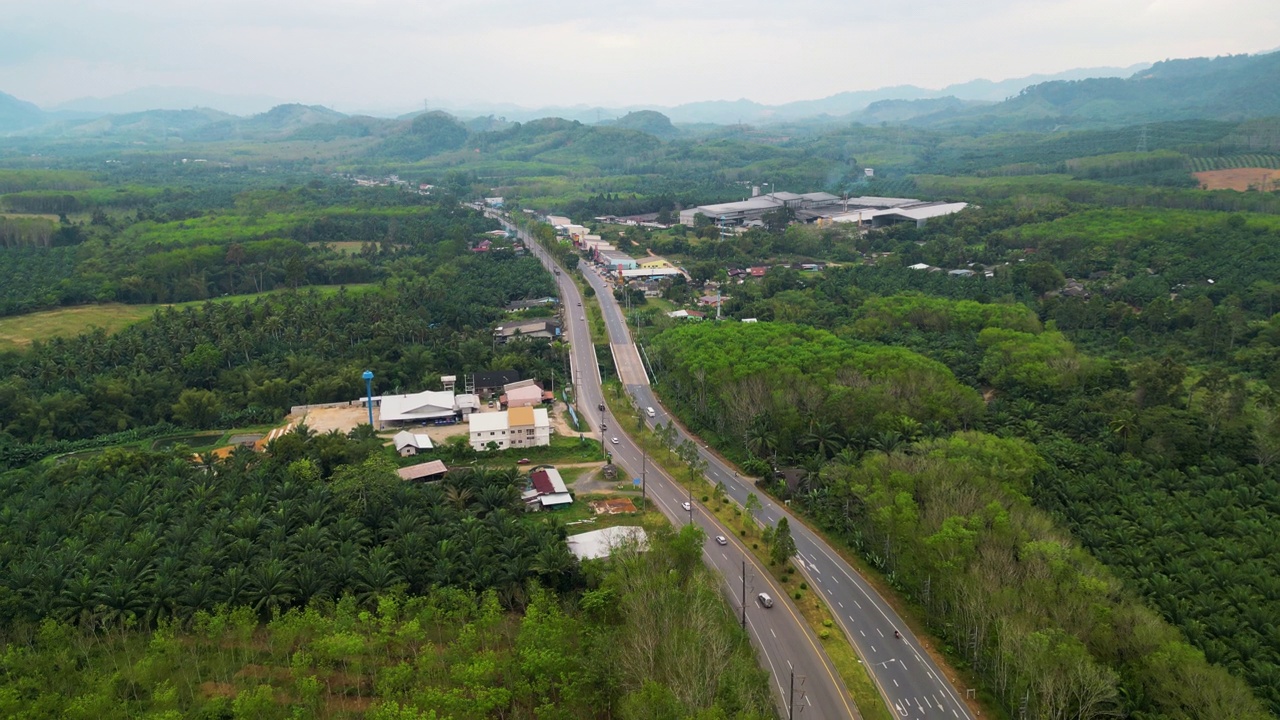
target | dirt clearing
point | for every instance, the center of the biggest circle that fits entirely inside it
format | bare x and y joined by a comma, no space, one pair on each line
1240,179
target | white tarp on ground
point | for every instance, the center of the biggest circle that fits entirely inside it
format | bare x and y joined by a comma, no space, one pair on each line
600,543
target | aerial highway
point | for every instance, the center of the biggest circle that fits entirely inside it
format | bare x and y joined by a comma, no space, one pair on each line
912,684
785,642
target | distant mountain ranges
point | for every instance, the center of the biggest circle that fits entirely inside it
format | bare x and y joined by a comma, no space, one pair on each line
1226,88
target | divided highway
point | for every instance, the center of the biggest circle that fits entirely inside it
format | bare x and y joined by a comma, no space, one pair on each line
907,677
783,639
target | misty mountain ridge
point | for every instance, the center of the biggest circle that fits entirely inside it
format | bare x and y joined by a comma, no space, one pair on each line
155,97
744,111
1229,88
1234,87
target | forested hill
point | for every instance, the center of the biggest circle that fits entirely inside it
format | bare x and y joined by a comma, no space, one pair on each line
18,114
1225,88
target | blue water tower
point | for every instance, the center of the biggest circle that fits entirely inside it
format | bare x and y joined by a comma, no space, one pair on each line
368,393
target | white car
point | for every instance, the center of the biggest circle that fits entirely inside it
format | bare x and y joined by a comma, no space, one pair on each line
615,441
686,506
720,539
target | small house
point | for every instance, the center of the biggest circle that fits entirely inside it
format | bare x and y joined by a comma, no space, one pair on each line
408,443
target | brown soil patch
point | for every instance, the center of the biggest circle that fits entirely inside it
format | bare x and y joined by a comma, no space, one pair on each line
342,419
260,672
217,689
343,703
1241,179
612,506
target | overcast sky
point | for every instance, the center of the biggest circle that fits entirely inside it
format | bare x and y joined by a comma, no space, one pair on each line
394,54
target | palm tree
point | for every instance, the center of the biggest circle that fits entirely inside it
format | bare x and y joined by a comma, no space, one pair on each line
761,440
380,574
270,587
120,602
554,564
78,601
887,442
233,587
823,439
458,497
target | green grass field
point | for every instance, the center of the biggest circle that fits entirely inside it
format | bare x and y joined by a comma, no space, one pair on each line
17,331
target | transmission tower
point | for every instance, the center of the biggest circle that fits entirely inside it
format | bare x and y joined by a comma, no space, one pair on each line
1142,140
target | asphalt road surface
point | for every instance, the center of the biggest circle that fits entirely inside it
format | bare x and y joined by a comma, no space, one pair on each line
783,639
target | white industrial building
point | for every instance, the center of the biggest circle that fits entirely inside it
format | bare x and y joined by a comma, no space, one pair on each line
917,212
868,210
417,407
755,207
517,427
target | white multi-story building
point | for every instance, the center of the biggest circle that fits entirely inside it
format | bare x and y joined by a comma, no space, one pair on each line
514,428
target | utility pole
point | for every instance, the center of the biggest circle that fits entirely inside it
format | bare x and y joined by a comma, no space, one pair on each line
644,466
791,698
690,501
744,594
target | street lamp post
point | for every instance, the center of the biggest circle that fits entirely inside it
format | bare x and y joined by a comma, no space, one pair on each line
368,393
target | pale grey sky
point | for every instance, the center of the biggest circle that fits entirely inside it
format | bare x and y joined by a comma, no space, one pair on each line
389,54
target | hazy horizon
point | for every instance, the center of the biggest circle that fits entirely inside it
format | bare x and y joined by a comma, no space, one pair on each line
389,55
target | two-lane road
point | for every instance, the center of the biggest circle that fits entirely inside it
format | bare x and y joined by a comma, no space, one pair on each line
784,640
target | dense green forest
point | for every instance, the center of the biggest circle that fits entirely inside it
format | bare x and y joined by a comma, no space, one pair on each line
273,586
213,236
908,466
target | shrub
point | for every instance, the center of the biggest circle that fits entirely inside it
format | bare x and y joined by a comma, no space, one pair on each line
824,634
744,532
826,623
804,586
790,570
798,595
755,546
705,498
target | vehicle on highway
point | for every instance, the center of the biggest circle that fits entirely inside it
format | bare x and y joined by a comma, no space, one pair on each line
582,318
650,412
686,506
721,539
579,304
615,440
765,600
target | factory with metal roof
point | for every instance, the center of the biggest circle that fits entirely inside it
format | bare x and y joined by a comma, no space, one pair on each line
822,207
